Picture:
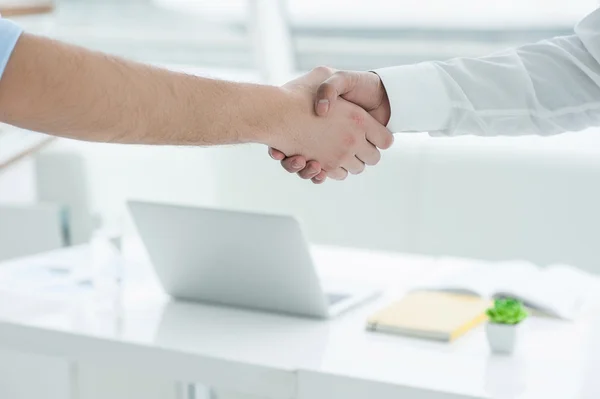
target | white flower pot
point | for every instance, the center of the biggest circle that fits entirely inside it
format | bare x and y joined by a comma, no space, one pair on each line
503,337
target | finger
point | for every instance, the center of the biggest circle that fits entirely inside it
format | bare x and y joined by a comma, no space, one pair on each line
378,134
338,84
276,154
369,154
320,178
294,164
312,169
354,165
338,174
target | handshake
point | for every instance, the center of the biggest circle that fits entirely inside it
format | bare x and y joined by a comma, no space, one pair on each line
335,126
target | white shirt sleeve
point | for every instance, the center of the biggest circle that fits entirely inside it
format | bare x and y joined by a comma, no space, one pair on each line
544,88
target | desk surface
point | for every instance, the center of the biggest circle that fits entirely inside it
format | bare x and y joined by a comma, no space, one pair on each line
283,357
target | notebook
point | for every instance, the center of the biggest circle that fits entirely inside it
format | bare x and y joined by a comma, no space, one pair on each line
557,291
433,315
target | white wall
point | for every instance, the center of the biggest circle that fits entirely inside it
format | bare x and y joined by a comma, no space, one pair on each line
532,198
117,173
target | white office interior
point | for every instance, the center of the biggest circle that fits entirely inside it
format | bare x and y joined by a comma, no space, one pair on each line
431,201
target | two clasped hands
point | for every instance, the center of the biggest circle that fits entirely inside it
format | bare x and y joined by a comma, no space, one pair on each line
355,110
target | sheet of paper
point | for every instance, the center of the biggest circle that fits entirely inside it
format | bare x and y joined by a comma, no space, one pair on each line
558,291
66,268
567,289
465,276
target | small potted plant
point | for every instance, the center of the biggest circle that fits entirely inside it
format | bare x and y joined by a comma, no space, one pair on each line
505,319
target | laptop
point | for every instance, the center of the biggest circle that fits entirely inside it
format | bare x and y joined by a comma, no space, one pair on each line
241,259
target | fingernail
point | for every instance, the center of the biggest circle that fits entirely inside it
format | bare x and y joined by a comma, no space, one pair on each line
323,106
319,178
296,164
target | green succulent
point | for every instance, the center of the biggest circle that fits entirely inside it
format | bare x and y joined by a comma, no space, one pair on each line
507,311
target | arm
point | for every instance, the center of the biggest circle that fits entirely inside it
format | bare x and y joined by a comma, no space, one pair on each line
68,91
544,88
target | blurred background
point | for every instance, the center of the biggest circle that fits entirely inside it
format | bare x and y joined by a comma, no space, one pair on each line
490,198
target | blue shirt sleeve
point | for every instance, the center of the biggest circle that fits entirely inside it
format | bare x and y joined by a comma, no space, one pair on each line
9,34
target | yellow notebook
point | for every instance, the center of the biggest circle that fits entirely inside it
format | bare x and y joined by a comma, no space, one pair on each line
429,314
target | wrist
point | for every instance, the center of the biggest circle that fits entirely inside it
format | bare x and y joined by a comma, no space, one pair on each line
272,112
385,111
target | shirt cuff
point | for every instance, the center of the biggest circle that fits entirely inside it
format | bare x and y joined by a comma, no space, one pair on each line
9,34
419,101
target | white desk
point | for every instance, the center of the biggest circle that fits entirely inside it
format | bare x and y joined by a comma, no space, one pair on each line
272,356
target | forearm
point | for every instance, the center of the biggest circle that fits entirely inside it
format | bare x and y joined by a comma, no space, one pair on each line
68,91
543,88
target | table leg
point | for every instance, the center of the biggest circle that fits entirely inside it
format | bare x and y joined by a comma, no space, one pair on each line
186,390
222,394
192,391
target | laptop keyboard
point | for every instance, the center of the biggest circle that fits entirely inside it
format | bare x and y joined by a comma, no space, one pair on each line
335,298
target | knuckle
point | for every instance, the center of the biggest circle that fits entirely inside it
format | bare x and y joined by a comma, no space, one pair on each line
313,167
287,165
373,159
322,69
376,158
349,141
358,116
387,141
358,170
335,174
275,154
342,76
330,166
307,173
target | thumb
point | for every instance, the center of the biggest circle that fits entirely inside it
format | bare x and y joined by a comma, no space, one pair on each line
336,85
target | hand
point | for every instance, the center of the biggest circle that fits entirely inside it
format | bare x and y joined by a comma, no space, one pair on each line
362,88
342,143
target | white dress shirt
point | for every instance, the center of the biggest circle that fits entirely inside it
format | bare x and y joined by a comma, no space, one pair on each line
544,88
